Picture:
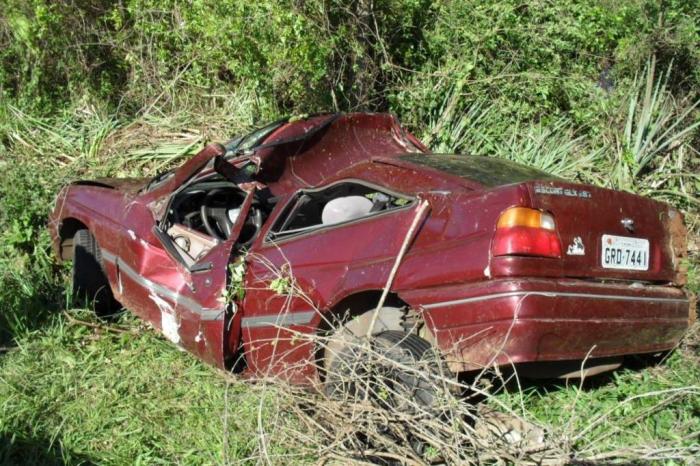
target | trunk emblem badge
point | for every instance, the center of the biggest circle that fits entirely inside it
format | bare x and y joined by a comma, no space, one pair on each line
628,223
576,247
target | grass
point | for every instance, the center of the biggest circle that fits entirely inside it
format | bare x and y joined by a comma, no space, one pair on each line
636,412
70,394
73,394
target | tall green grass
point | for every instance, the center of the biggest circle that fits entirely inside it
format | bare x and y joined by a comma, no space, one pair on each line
649,145
118,394
656,154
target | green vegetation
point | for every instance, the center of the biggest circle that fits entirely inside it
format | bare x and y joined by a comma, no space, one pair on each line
122,395
649,414
594,90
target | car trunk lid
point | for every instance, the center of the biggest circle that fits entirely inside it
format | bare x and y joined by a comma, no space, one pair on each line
612,234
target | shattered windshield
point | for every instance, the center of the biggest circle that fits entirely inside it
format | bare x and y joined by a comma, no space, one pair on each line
251,142
483,170
247,142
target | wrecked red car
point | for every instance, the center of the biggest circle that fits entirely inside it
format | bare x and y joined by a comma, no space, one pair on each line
253,244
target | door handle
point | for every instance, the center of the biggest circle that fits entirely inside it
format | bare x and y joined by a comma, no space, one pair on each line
201,267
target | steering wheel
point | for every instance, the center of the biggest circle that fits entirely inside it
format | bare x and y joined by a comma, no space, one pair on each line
217,221
221,223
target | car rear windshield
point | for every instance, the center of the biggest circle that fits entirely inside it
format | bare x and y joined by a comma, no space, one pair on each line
483,170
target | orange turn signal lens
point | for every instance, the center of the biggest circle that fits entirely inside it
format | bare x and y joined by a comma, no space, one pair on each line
525,217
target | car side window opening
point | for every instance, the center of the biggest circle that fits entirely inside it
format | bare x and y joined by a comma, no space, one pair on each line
336,204
204,214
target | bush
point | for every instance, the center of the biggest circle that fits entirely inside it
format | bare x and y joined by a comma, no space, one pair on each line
542,60
29,288
537,60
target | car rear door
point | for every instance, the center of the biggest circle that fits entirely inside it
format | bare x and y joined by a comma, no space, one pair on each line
292,279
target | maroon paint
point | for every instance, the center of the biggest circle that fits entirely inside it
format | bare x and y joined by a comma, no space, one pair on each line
543,309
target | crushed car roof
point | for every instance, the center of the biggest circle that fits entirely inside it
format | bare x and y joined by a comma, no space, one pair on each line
307,152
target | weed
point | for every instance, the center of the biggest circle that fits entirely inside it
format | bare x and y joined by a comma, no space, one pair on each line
235,291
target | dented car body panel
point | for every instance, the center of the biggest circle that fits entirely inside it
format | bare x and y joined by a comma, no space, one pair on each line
601,275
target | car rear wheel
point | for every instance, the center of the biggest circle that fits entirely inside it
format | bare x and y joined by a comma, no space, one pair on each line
393,370
90,285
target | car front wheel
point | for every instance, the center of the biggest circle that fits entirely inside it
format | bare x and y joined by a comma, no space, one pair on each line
90,285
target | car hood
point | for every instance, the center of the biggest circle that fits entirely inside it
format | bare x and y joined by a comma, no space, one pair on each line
127,185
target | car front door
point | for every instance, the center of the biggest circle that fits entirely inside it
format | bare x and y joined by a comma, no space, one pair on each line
186,301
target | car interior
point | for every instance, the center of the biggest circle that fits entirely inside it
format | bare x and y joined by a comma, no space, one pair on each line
204,213
335,204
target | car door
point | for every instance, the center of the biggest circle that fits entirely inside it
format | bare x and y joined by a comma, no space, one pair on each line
300,268
206,318
187,304
185,301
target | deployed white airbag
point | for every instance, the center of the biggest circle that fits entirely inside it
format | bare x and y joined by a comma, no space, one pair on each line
345,208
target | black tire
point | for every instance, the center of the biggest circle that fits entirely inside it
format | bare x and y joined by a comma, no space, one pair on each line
90,284
419,355
396,372
396,368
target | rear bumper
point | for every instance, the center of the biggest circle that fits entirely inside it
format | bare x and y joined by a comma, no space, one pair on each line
501,322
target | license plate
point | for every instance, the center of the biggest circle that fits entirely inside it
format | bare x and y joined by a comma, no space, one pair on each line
623,252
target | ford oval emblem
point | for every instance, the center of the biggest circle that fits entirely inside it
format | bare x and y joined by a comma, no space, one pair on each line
628,223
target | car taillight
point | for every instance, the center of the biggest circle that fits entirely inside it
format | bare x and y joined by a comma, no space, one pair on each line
526,232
